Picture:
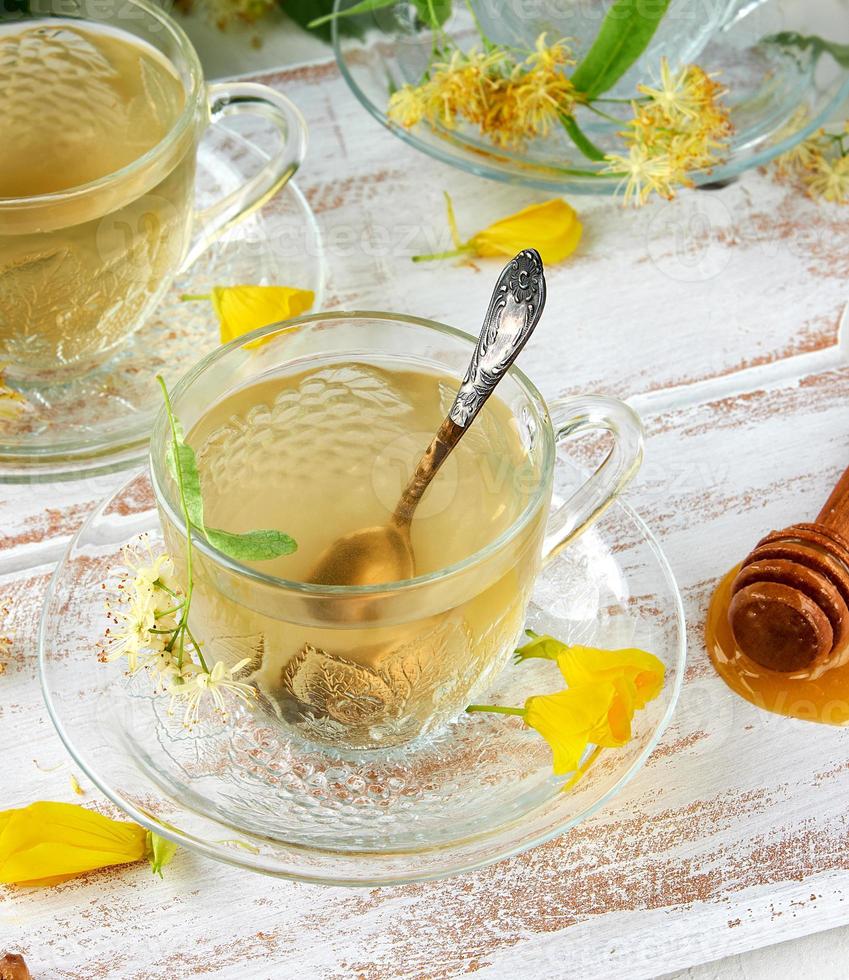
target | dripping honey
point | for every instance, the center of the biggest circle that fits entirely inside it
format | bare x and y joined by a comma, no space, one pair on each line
824,699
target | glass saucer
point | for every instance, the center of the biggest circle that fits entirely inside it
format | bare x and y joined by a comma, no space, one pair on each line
101,422
253,794
777,96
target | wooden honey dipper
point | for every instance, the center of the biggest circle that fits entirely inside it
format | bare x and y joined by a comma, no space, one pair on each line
789,609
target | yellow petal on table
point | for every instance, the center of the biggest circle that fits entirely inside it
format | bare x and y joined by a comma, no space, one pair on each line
553,229
45,843
632,669
241,309
565,720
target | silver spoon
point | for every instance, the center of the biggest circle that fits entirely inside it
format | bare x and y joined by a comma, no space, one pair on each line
378,555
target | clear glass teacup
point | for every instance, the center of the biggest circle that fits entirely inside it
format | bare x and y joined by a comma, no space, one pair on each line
83,261
373,666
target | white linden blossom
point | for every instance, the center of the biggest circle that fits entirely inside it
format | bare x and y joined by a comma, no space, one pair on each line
148,571
217,684
149,631
144,609
132,635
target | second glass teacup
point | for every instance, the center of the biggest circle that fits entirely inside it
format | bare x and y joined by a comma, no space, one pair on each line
313,427
106,106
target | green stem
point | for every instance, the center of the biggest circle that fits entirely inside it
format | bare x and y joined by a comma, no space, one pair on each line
452,254
486,41
190,297
496,709
196,645
168,612
175,448
604,115
643,98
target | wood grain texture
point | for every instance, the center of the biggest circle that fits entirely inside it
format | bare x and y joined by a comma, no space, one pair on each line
735,835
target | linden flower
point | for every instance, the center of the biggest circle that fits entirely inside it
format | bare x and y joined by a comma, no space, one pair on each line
829,179
216,685
406,106
644,174
47,843
132,632
510,101
148,571
674,94
679,128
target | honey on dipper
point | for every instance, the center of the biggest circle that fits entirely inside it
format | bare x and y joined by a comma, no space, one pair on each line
778,625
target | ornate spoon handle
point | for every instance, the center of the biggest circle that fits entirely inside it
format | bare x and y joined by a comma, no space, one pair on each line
514,310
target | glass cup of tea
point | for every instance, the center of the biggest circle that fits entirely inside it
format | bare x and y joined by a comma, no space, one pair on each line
313,428
105,104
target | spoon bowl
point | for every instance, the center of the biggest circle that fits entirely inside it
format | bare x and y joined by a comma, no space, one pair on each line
370,556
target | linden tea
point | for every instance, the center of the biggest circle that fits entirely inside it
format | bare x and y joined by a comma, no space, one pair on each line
327,451
79,270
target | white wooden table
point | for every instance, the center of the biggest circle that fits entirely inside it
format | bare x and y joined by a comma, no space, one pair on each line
735,834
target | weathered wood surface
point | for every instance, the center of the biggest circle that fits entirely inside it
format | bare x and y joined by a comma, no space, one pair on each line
735,835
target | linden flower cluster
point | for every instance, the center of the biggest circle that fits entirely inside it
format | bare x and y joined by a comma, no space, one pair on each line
820,164
150,631
510,101
679,126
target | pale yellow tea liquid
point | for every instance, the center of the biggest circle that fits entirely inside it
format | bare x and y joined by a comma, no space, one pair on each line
77,273
323,453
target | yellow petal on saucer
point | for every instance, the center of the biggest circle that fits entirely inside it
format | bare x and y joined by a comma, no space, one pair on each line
45,843
636,671
552,228
565,720
541,646
241,309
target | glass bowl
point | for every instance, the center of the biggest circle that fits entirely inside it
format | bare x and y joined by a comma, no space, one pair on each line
253,794
777,96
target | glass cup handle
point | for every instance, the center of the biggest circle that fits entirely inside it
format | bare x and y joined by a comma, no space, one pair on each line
587,413
249,98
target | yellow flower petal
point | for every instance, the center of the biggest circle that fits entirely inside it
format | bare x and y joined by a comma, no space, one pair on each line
586,665
565,720
552,228
541,646
46,843
241,309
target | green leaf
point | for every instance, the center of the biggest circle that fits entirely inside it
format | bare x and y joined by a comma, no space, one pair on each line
363,7
304,12
840,52
182,464
188,478
625,33
434,13
160,852
581,140
252,545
